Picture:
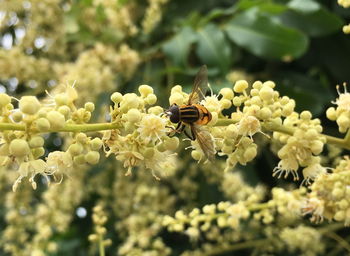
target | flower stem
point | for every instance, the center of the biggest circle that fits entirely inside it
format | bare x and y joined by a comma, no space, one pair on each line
343,143
67,128
101,246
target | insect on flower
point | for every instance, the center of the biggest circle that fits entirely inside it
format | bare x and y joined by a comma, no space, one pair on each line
194,115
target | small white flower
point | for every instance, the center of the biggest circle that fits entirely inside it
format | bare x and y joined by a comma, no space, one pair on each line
32,168
286,166
343,101
152,127
311,172
59,162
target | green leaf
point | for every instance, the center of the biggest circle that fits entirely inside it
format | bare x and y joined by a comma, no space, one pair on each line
213,48
309,93
262,5
311,17
178,47
304,6
264,37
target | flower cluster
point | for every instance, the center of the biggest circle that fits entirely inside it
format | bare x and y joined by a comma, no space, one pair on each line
153,15
342,111
24,148
141,215
141,139
301,148
95,70
329,196
99,219
307,240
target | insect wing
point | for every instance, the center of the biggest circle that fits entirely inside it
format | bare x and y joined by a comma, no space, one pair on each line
200,86
205,141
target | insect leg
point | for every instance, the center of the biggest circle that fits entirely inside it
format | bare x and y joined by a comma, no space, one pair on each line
193,137
176,130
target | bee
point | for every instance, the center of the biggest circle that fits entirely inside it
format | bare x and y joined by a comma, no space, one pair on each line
194,115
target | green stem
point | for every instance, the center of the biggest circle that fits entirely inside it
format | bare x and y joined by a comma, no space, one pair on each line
67,128
12,127
327,231
101,246
88,127
343,143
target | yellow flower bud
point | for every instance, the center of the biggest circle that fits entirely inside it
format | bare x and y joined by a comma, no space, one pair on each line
36,141
171,143
270,84
29,105
176,88
343,204
17,116
240,86
196,155
130,100
236,116
250,153
254,92
145,90
339,215
93,238
227,93
42,124
19,147
79,160
92,157
161,147
227,149
81,138
265,113
284,100
237,101
338,193
225,103
96,144
38,152
56,119
4,99
231,131
116,97
148,153
331,114
61,99
306,115
266,93
155,110
343,121
257,85
64,110
133,115
311,134
316,147
89,106
151,99
75,149
176,98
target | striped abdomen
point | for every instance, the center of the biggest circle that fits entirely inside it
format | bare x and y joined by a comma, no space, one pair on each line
189,114
194,114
